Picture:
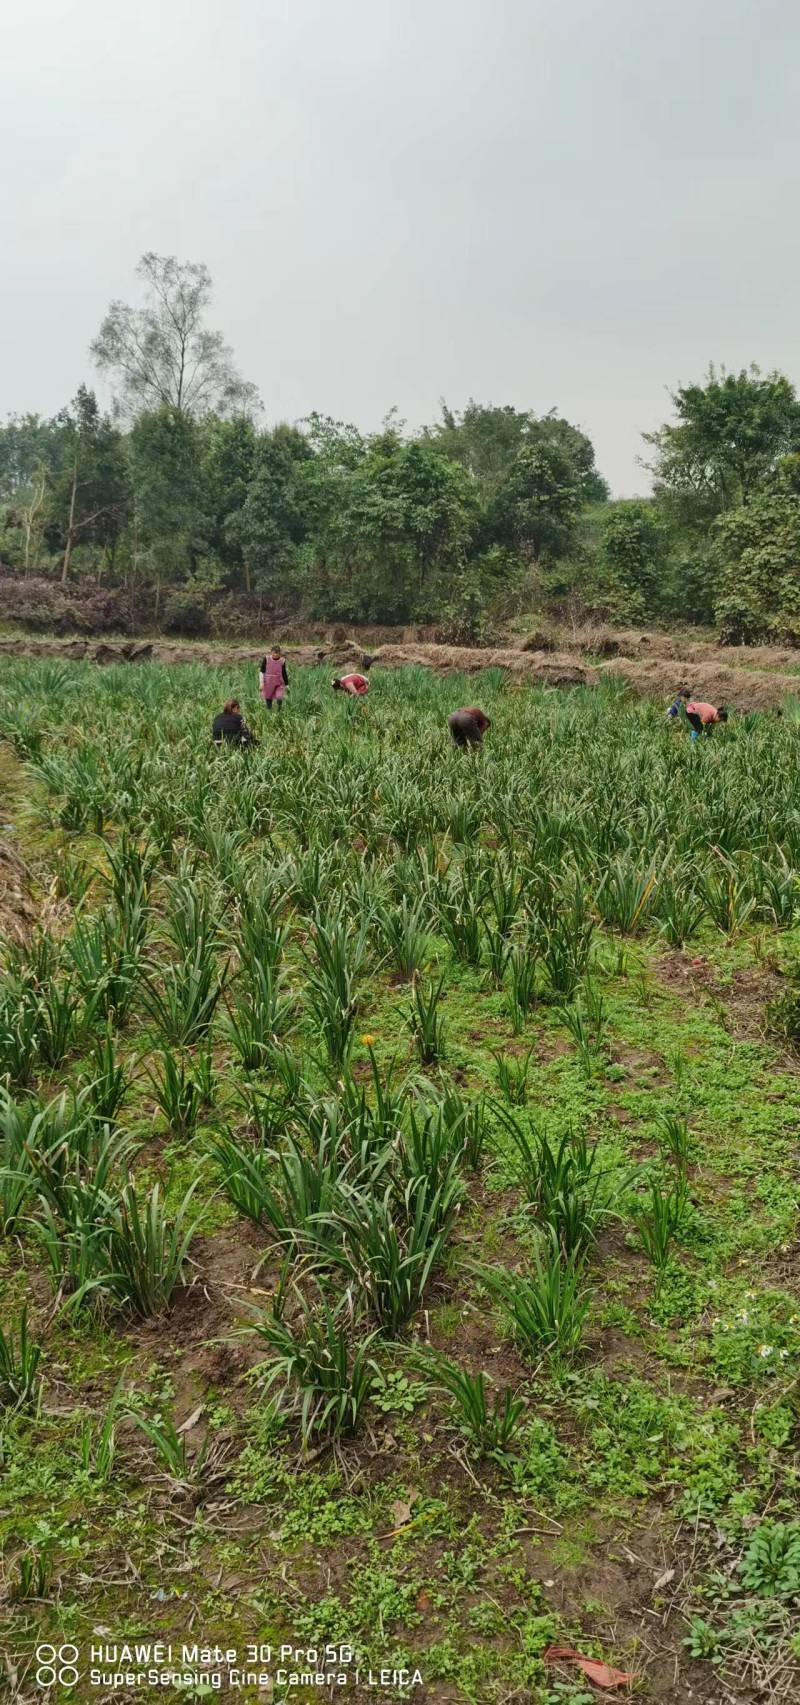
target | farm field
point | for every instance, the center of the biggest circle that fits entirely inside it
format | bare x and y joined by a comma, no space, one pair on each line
399,1186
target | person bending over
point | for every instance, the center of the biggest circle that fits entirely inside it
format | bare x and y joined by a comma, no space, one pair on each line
679,702
468,726
273,680
230,728
702,716
355,685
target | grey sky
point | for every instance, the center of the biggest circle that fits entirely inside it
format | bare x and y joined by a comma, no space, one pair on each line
569,203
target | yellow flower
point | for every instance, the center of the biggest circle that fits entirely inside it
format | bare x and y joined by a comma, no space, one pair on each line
368,1041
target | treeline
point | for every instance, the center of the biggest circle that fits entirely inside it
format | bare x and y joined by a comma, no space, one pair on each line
482,514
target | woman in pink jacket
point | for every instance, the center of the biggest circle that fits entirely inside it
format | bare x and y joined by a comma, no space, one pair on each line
273,679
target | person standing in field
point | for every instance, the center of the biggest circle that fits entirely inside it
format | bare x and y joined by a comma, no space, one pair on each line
468,725
354,684
702,716
273,679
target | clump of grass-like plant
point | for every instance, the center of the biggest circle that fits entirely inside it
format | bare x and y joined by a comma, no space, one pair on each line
19,1364
324,1367
546,1307
490,1421
426,1021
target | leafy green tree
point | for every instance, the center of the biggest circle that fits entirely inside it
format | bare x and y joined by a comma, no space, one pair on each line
228,451
730,434
164,355
169,514
91,490
393,531
633,548
538,505
758,562
31,452
486,441
269,528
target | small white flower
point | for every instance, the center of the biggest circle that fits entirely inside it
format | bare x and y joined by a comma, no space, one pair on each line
765,1350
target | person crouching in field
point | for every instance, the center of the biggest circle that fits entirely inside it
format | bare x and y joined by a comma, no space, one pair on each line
468,726
273,679
355,685
679,703
230,728
702,716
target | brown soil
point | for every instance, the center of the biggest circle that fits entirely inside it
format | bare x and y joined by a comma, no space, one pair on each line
745,1000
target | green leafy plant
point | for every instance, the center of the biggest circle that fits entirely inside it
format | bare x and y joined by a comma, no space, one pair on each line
658,1219
19,1365
547,1307
316,1359
513,1071
145,1250
177,1093
563,1182
405,936
331,977
427,1023
674,1137
491,1424
522,964
770,1563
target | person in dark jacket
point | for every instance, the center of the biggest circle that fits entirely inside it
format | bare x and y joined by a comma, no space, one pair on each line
468,726
230,727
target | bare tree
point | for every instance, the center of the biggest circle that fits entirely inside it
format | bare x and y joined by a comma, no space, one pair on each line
163,355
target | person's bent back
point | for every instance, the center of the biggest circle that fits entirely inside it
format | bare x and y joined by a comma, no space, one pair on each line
468,725
229,727
354,685
702,716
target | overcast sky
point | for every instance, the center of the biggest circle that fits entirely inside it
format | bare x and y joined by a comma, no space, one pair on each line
553,203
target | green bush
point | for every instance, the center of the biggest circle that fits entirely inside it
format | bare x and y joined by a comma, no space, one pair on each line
186,612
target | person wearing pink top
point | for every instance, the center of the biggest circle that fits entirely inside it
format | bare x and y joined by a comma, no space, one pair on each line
702,716
273,679
356,685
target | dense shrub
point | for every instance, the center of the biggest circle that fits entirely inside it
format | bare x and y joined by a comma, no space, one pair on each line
186,612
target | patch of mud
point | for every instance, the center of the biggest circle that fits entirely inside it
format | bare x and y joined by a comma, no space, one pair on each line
744,1000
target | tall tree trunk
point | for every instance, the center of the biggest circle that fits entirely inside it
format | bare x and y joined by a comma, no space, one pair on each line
70,523
30,514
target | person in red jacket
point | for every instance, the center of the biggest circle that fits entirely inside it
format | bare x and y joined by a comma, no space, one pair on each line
356,685
702,716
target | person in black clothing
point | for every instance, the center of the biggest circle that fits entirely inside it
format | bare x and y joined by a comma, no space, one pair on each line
230,727
468,726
